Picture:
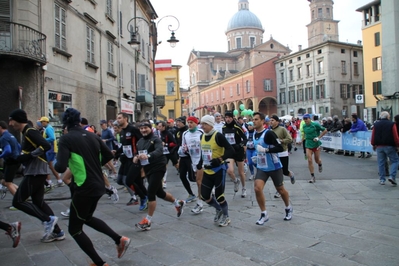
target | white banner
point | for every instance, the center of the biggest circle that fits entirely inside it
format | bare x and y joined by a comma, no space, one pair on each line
332,140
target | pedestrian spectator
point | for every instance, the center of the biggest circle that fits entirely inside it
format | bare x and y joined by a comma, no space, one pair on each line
336,127
345,128
385,140
215,151
34,148
268,164
13,230
359,125
85,153
149,153
313,132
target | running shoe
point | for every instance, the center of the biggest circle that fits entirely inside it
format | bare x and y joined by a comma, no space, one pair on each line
144,225
191,198
49,226
263,219
277,195
164,185
132,201
122,247
236,185
245,168
66,213
197,210
224,220
393,181
288,214
143,204
292,177
382,182
312,179
179,208
60,184
12,208
3,191
14,233
218,215
243,193
320,168
47,238
251,177
47,189
114,195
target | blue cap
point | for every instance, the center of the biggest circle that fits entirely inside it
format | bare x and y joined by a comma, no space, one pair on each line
250,123
306,116
267,119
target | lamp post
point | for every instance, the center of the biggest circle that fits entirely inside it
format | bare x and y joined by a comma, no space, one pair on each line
135,42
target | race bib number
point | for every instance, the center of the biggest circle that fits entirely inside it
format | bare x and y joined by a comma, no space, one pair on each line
194,148
127,150
261,160
165,150
250,144
206,156
230,138
144,162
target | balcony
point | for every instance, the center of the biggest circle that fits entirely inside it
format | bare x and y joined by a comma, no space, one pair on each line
144,97
22,41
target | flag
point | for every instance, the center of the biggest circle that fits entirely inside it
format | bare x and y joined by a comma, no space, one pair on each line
164,64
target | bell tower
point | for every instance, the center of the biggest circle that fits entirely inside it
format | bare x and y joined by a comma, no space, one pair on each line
322,25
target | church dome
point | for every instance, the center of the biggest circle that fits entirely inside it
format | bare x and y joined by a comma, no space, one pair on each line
244,18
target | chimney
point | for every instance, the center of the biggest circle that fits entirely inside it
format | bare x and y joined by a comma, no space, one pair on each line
300,47
359,42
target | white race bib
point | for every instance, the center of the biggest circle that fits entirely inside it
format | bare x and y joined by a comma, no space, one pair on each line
230,138
144,162
165,150
261,160
206,157
127,150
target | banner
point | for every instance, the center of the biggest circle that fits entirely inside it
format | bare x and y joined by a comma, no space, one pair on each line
332,140
358,141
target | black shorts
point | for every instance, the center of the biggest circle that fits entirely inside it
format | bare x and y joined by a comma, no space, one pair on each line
239,154
10,170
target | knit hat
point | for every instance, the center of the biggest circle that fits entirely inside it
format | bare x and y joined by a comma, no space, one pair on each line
229,113
193,118
18,115
208,119
71,117
181,119
216,114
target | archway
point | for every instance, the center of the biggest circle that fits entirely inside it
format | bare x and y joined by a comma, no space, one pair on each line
268,106
250,105
231,107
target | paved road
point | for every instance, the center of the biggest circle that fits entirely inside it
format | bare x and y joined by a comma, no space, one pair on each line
345,218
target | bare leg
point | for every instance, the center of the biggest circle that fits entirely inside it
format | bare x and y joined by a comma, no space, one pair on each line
260,196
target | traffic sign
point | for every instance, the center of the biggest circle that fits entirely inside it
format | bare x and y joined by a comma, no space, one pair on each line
359,98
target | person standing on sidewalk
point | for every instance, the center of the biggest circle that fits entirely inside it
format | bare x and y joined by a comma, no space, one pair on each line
11,151
34,148
215,151
313,132
285,139
151,157
385,140
268,164
85,153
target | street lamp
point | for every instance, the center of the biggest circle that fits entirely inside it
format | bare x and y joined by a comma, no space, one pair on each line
135,42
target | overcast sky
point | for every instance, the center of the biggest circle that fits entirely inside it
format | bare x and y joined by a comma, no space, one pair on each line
203,24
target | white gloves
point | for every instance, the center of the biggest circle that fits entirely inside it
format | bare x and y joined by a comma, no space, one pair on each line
254,159
316,139
260,149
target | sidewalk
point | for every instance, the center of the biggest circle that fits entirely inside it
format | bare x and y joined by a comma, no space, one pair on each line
350,220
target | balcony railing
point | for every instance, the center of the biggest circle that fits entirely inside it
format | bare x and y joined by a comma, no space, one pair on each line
20,40
144,96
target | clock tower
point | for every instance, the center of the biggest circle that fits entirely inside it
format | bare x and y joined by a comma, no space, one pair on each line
322,27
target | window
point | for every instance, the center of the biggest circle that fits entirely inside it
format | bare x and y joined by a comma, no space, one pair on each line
309,92
377,39
356,89
319,51
354,53
110,57
307,55
291,95
376,63
170,87
355,69
238,43
217,95
312,14
321,89
298,58
109,8
207,99
342,51
267,85
132,80
282,97
171,113
90,45
343,67
228,46
60,28
290,61
319,12
223,93
120,23
143,45
291,74
248,85
345,91
377,88
281,64
299,72
320,68
252,41
231,91
211,96
321,110
300,95
121,74
238,89
308,70
282,77
309,110
328,12
141,82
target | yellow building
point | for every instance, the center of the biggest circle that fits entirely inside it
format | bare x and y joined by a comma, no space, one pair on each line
168,86
372,56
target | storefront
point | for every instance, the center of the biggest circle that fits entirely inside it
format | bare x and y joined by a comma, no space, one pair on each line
128,108
57,104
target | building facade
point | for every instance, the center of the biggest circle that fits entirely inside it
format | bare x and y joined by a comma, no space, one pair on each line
62,53
221,81
327,77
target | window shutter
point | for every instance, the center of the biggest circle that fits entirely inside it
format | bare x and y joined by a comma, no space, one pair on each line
317,92
5,10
